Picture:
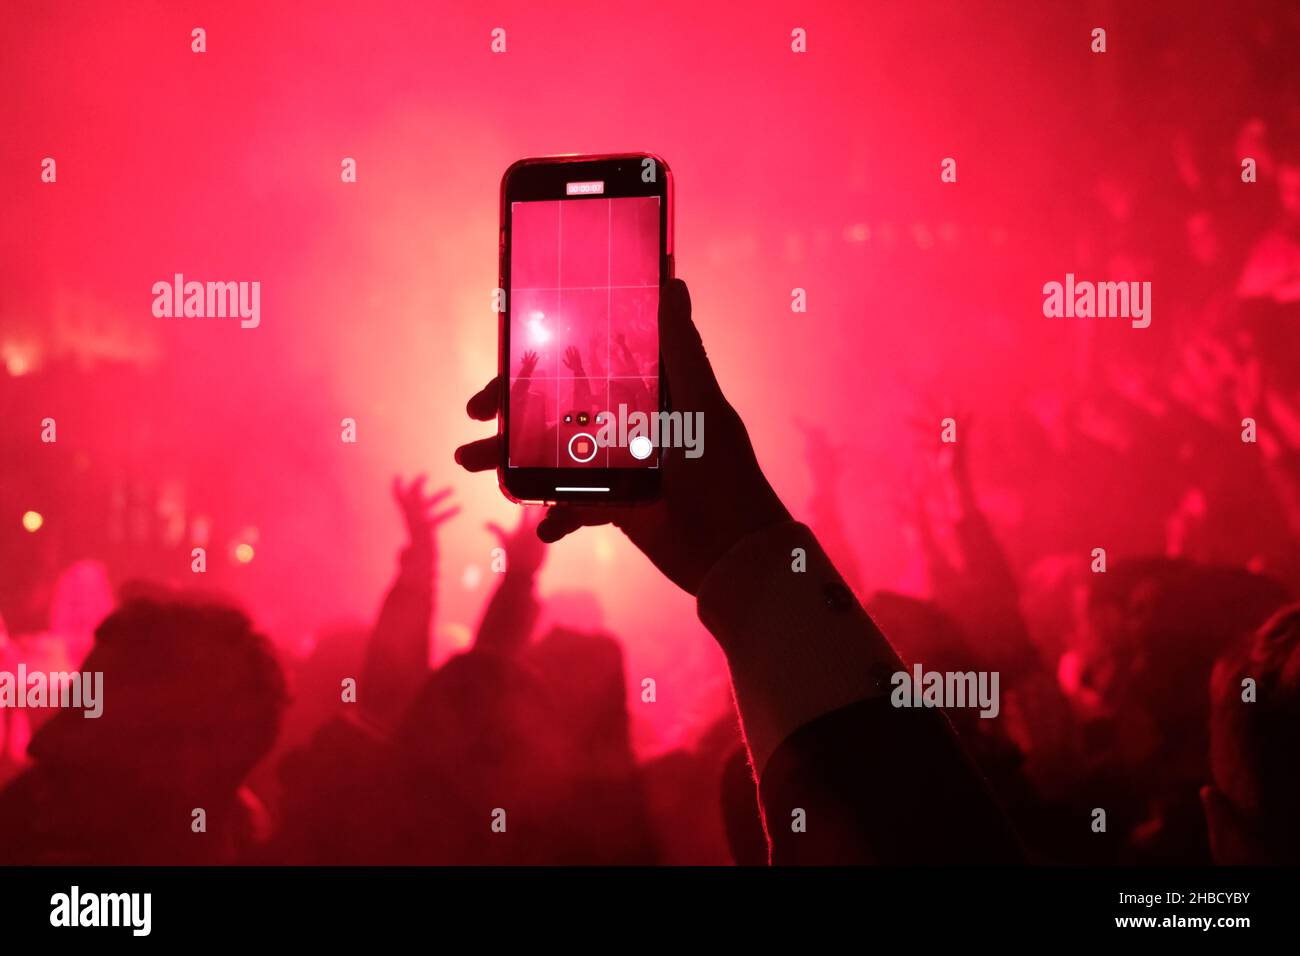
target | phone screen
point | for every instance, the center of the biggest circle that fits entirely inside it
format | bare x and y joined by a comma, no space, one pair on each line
584,332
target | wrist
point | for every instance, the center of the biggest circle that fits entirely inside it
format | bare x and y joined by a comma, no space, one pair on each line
750,520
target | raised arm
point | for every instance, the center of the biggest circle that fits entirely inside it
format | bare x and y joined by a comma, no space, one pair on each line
809,668
511,613
397,654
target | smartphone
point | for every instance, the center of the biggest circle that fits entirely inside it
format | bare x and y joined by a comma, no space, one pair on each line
585,245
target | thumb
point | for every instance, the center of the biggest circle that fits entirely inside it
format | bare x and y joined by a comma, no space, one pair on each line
691,383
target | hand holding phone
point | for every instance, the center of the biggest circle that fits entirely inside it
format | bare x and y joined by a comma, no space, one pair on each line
708,503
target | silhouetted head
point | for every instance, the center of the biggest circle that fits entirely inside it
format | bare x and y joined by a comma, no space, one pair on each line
192,698
1252,807
481,722
337,650
585,681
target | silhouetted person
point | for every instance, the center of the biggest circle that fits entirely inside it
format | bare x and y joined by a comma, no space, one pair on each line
192,699
604,818
397,654
338,786
478,740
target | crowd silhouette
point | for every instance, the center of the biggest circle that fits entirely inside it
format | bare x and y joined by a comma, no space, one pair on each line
1162,690
519,749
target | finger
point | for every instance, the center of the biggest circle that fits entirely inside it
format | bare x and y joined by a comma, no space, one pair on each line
691,381
561,520
499,531
415,490
439,495
558,522
481,455
483,406
442,516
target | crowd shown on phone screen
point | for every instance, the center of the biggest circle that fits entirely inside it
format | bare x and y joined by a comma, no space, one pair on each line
1149,713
